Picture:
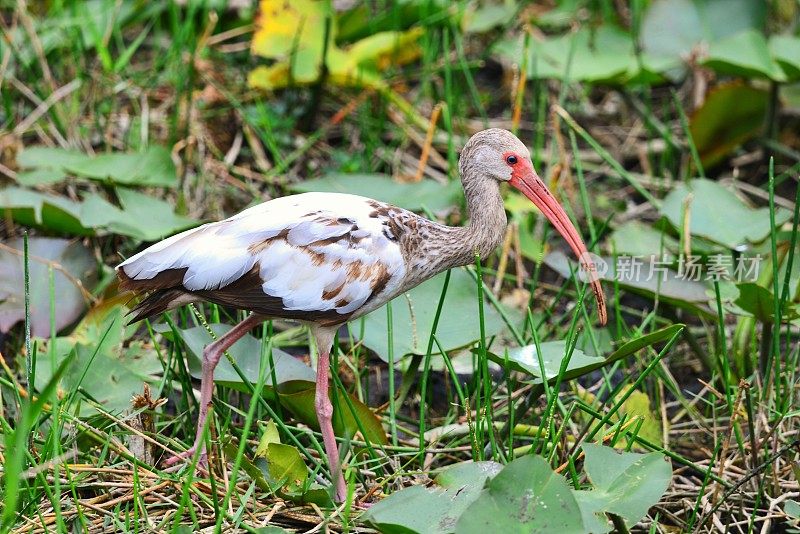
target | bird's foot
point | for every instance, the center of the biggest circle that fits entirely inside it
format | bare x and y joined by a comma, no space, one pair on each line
174,462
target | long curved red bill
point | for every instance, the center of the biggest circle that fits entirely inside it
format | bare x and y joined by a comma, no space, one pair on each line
530,185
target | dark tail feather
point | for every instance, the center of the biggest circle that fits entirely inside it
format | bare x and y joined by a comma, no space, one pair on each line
155,303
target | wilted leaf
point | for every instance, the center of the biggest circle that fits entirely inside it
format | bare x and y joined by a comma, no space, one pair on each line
298,398
717,213
434,509
78,266
414,311
294,35
293,32
526,496
626,484
731,114
411,196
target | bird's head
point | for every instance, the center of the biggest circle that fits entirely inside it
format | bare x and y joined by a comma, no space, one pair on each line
497,154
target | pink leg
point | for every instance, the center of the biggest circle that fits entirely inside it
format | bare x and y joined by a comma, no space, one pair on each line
324,338
211,355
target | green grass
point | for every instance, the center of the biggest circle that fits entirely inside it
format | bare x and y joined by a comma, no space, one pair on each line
720,393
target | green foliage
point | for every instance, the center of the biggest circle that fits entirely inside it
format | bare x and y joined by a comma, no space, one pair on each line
625,484
434,509
153,167
285,466
527,496
103,364
711,209
137,215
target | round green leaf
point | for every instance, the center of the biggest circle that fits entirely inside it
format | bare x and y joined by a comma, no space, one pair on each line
525,497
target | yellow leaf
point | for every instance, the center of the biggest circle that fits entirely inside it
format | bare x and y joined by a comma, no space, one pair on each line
385,49
293,32
269,437
637,405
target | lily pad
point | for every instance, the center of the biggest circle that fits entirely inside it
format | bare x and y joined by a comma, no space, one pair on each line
635,238
153,167
744,54
712,209
673,28
434,509
580,364
152,218
77,267
142,217
107,368
786,51
526,496
411,196
413,314
525,359
34,209
626,484
603,54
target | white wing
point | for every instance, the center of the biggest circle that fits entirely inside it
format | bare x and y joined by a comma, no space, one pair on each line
324,253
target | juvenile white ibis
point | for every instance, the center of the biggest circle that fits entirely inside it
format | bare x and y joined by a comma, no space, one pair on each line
327,258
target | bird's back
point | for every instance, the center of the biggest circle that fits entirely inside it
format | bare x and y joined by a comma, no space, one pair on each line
322,257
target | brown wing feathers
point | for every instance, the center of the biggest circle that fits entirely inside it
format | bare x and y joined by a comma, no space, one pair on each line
166,290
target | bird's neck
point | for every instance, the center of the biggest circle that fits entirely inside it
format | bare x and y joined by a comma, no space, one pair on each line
487,219
444,247
458,245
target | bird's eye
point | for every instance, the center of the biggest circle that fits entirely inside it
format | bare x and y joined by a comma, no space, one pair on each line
511,160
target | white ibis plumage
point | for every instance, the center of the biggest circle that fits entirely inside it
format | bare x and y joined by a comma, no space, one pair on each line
327,258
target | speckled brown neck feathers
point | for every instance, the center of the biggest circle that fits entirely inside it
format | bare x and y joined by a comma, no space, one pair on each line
430,247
